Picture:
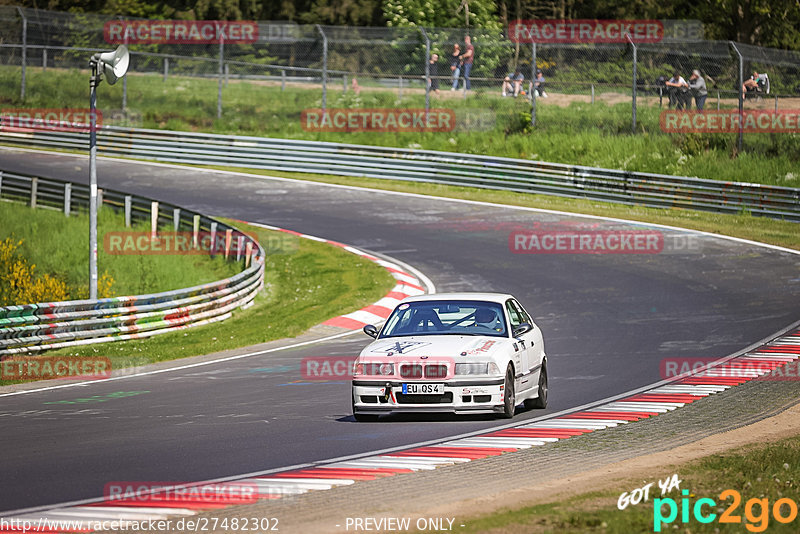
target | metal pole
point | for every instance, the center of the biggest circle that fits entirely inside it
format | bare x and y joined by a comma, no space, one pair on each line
592,93
741,96
428,80
24,51
44,60
633,93
93,82
533,85
221,68
124,93
324,67
166,68
283,80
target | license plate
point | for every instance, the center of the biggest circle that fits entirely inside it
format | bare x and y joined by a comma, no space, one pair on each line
423,389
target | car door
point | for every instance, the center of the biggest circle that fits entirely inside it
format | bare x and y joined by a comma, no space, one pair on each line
523,343
534,341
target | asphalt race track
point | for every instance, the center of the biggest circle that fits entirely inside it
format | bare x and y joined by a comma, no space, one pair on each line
608,320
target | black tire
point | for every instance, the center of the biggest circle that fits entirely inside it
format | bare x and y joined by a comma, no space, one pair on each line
361,417
509,398
540,401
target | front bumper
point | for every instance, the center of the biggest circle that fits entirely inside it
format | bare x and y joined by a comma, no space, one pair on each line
461,396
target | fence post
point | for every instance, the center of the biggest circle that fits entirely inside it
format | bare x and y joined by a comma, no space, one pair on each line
741,96
99,199
125,92
776,103
228,238
428,81
221,68
533,84
176,219
324,67
213,239
128,202
227,73
400,88
154,220
166,68
592,93
239,245
34,187
67,199
44,60
195,230
633,93
283,80
717,99
344,83
24,51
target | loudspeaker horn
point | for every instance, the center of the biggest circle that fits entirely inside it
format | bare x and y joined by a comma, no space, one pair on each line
114,64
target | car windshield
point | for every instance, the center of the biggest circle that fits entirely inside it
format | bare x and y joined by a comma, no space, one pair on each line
433,317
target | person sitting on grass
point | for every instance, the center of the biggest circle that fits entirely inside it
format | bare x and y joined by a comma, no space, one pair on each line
537,85
513,83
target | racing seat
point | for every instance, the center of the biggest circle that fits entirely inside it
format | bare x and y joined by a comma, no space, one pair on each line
426,321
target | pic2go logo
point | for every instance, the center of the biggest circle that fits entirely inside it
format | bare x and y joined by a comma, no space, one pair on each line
756,511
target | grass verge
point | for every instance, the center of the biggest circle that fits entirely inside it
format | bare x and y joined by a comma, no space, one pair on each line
743,225
305,284
567,131
767,472
59,246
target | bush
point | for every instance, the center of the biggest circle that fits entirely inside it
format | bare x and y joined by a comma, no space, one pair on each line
19,283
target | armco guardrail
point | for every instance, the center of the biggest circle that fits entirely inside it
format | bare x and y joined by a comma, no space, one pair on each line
34,327
490,172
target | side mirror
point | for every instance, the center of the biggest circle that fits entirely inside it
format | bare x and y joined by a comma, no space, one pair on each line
520,329
371,331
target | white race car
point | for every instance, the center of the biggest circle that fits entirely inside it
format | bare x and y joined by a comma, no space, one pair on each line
452,352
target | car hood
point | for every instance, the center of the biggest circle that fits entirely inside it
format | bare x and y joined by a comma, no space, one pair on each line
448,346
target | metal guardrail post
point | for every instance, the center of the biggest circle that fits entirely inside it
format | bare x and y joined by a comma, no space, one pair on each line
221,68
533,84
741,96
195,231
67,199
34,191
176,219
324,67
428,81
24,52
633,90
128,203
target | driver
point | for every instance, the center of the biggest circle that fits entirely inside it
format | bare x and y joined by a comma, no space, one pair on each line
485,317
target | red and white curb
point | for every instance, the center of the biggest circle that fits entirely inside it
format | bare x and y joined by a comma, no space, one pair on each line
408,285
768,358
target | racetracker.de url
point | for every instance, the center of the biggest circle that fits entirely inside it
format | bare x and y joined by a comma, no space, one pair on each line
184,524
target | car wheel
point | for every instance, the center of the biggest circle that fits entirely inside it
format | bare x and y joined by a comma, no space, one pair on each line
510,400
541,400
361,417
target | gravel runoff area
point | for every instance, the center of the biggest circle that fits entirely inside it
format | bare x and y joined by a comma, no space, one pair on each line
649,448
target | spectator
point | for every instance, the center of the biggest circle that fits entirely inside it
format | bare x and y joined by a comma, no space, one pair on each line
537,85
513,83
355,87
433,73
755,85
467,58
678,89
698,86
455,65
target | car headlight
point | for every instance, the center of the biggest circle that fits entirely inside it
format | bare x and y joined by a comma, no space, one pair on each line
374,369
472,368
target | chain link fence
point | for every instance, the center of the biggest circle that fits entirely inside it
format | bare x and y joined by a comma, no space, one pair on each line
291,68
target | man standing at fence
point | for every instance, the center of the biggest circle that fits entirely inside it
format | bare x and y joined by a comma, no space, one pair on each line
698,86
467,57
433,73
678,88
